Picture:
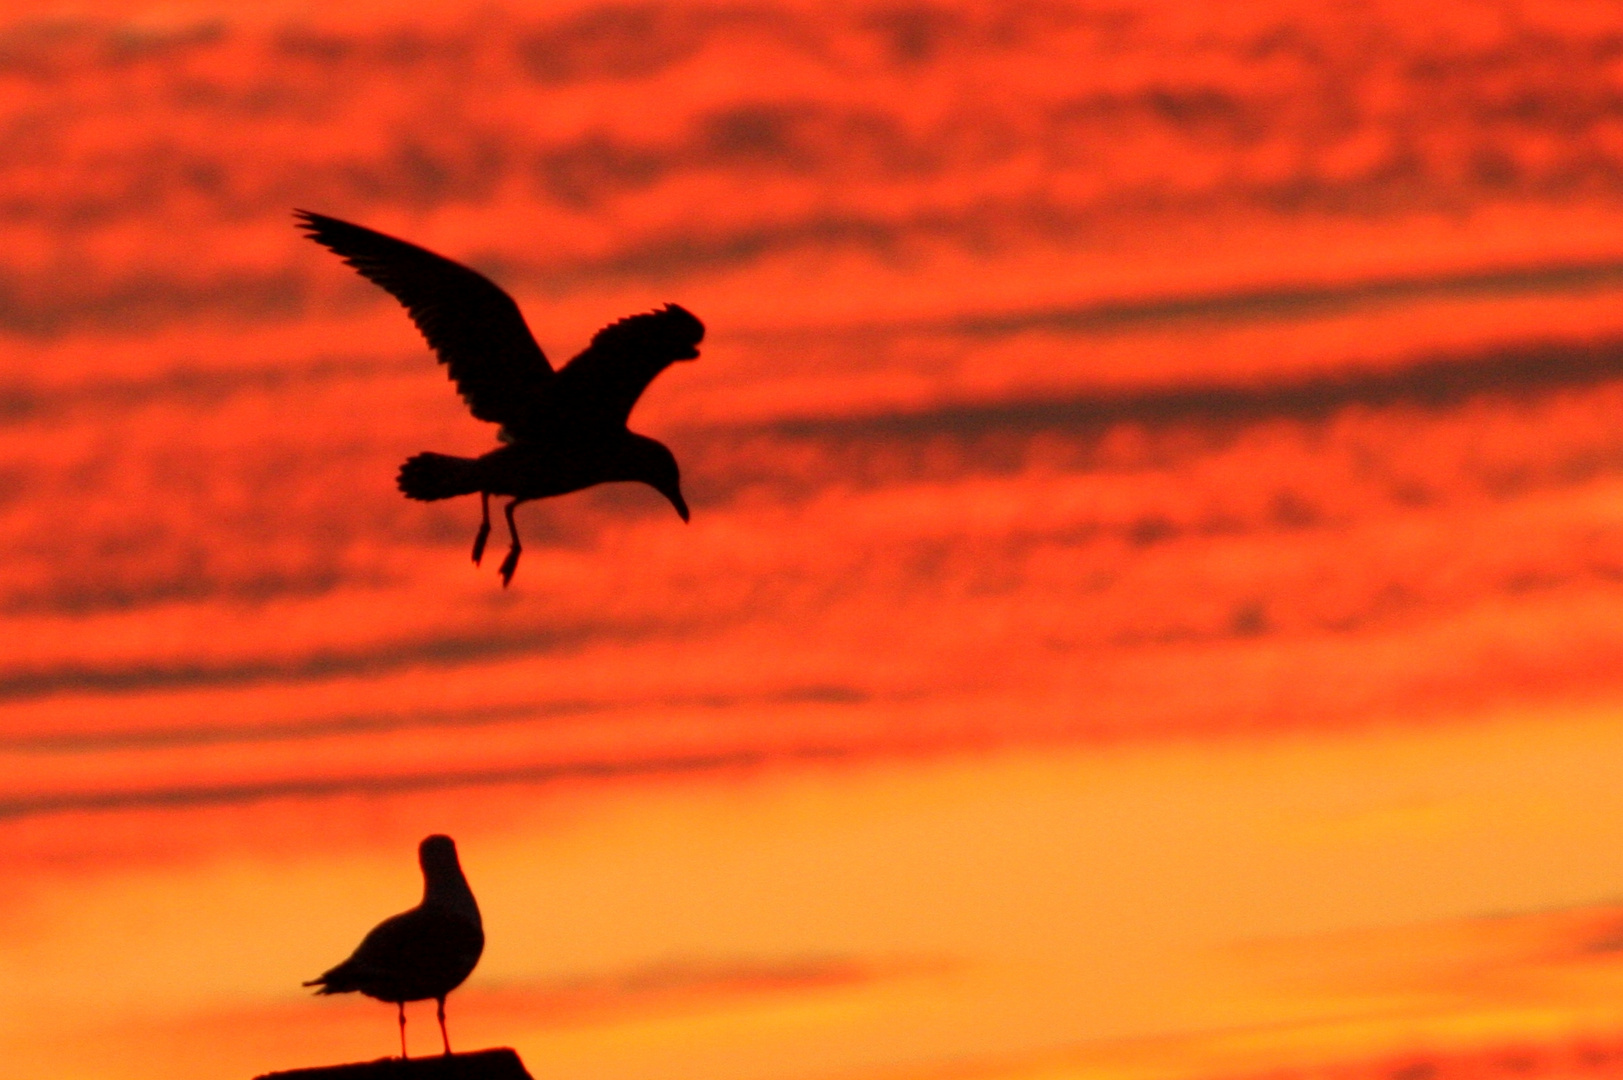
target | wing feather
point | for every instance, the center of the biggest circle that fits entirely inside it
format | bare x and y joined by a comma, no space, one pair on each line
475,327
602,384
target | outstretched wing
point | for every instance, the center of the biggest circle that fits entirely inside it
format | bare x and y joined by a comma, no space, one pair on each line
473,325
601,385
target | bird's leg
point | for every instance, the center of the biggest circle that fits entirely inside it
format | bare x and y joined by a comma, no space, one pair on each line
446,1039
401,1005
484,528
510,563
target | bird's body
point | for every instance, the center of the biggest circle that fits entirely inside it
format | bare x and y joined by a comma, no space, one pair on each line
420,954
532,469
562,430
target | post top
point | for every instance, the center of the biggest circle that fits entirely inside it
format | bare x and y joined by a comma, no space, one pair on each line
497,1064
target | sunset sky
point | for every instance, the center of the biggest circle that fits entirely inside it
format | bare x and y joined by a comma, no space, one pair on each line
1153,608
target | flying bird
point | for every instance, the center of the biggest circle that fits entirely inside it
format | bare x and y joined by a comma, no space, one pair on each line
419,954
561,430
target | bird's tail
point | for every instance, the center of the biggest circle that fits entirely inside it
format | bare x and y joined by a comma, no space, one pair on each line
427,477
335,981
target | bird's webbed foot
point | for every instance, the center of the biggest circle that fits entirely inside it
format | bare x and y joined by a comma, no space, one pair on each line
484,530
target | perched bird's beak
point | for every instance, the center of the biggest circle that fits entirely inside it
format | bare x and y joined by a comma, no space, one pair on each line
680,503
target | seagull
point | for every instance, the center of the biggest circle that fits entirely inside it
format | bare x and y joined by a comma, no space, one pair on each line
419,954
562,430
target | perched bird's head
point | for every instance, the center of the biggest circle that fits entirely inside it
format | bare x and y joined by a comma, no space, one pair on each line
652,463
444,887
437,856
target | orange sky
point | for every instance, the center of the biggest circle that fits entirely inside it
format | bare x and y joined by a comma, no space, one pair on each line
1153,608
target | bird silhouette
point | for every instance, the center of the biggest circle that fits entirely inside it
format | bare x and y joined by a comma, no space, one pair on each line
561,430
419,954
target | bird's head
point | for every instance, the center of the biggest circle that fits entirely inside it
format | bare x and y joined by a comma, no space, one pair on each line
653,464
444,887
437,855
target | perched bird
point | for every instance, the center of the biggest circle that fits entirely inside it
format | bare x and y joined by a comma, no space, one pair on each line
422,953
562,430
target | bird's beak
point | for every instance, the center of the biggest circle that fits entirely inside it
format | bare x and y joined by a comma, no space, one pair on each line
680,503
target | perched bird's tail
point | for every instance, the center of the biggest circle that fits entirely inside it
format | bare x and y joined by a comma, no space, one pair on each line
329,984
427,477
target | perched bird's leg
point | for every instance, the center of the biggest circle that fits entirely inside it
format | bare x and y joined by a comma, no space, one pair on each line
446,1039
510,563
401,1005
484,528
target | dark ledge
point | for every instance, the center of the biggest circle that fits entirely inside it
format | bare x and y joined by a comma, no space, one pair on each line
480,1065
